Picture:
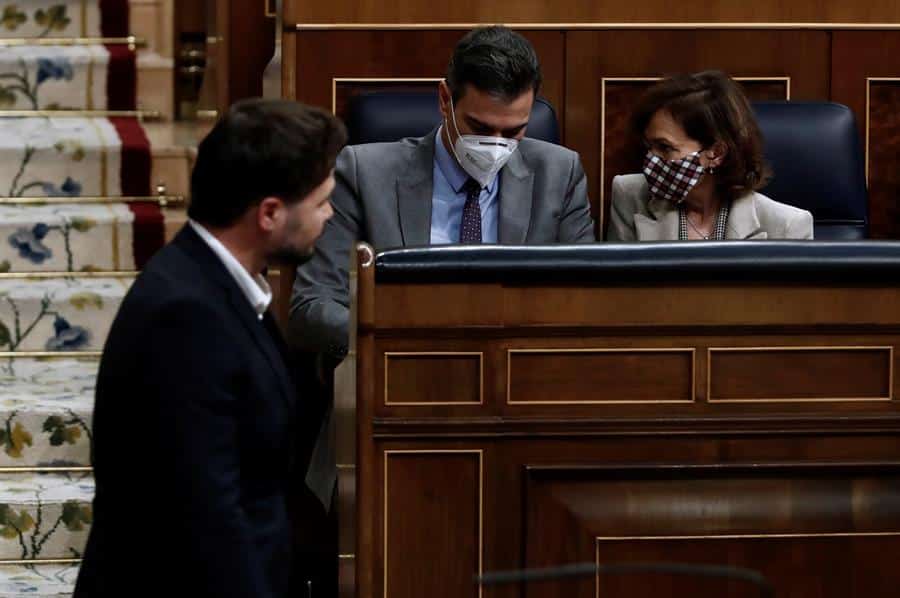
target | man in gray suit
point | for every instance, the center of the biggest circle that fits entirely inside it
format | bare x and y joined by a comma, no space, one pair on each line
476,179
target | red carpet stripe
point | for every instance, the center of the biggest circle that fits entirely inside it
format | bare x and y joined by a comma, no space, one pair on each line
114,18
149,229
121,79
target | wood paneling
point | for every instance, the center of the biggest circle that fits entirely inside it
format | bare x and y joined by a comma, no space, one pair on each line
432,378
857,56
791,522
246,45
598,11
586,376
803,56
883,153
432,511
815,373
322,56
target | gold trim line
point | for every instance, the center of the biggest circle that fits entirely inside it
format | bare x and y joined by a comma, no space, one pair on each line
301,27
478,354
480,454
691,350
872,348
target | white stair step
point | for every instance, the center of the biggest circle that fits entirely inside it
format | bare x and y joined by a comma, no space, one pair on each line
66,238
74,18
45,516
46,406
58,314
37,581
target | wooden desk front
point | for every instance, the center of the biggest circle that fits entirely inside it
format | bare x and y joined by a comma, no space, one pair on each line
499,426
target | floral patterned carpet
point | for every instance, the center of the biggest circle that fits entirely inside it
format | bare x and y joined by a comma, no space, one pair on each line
66,261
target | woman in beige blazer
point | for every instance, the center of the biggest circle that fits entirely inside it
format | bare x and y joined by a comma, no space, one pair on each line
702,169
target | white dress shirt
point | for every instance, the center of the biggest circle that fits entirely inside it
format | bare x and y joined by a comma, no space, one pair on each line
255,288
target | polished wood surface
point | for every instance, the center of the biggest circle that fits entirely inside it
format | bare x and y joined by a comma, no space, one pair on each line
752,425
244,48
598,11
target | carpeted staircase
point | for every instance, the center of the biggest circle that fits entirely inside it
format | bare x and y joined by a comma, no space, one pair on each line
79,171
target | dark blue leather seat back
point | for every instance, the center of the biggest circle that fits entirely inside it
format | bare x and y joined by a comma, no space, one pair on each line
393,115
814,151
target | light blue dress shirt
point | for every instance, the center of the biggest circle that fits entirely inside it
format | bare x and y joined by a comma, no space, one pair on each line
449,197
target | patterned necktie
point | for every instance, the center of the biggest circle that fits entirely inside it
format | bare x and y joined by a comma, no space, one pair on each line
470,228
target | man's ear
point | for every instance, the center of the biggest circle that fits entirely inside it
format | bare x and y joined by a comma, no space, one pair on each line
269,214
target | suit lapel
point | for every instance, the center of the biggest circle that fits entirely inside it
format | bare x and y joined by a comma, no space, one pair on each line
212,267
414,190
661,225
516,182
743,221
265,341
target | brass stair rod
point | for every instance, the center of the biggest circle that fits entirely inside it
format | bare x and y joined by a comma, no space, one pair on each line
142,115
164,201
131,41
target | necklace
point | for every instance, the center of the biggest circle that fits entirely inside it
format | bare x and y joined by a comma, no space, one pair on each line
704,236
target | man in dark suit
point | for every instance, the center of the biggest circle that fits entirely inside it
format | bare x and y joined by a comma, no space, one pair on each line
196,416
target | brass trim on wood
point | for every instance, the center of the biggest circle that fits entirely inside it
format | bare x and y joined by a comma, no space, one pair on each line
691,350
890,397
302,27
336,80
604,81
479,354
480,453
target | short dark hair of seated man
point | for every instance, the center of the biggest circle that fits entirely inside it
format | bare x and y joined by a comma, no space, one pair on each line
702,168
476,178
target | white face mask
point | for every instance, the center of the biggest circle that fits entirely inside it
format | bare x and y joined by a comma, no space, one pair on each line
481,156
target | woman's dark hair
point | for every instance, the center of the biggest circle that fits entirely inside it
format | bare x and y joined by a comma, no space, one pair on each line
262,148
495,60
711,108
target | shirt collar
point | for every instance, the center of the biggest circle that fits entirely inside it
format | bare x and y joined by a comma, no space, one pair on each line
255,288
450,167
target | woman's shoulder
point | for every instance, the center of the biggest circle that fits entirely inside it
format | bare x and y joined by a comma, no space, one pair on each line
781,219
768,208
631,184
630,189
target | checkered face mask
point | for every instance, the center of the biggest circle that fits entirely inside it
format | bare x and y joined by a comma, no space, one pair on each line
672,180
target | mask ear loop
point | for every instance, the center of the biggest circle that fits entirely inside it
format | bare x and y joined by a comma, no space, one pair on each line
455,126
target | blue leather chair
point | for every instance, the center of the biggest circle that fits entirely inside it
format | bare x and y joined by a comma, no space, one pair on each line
814,151
393,115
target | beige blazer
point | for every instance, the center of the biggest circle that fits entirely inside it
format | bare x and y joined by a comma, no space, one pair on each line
636,217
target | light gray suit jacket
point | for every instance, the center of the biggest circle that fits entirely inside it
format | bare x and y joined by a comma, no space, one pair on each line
383,196
635,216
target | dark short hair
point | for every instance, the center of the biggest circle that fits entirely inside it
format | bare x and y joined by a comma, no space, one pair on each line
711,108
262,148
495,60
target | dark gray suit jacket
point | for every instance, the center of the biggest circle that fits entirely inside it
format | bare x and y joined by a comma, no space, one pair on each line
383,197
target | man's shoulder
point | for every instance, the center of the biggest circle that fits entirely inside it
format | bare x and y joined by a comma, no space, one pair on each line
380,157
536,152
172,276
